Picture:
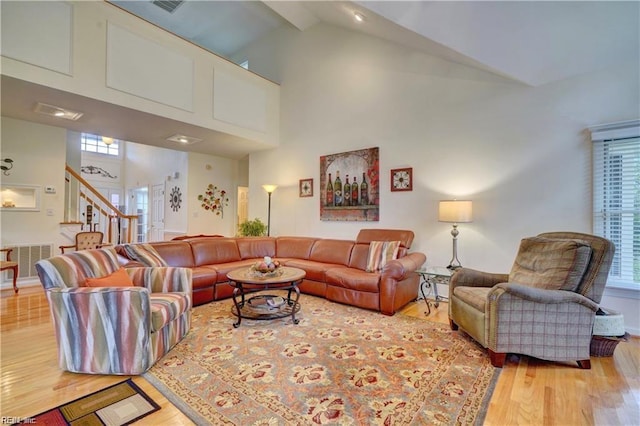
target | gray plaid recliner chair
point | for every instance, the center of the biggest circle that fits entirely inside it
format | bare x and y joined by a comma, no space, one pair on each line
545,307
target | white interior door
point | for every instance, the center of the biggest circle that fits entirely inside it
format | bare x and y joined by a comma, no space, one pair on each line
140,208
157,212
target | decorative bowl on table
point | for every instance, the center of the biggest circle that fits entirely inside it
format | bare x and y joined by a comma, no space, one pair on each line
266,268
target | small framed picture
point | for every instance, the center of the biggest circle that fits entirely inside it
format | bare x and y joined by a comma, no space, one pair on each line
402,179
306,187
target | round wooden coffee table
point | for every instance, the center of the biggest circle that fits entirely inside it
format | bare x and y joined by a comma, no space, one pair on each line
265,306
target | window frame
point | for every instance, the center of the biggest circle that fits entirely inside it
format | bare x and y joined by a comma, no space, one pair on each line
89,139
616,202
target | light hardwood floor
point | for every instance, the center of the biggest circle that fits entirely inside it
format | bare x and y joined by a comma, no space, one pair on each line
528,392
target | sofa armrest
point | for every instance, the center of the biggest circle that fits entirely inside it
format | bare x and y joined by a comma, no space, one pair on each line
400,269
399,282
94,325
542,296
473,278
165,279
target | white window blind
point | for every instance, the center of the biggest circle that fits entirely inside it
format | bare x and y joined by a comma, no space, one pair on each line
616,197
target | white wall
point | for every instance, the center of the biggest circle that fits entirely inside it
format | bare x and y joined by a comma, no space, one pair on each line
38,152
520,153
223,173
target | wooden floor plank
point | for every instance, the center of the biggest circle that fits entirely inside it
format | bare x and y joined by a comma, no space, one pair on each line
528,391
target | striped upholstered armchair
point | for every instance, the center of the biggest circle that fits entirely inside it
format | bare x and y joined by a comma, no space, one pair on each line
110,320
545,307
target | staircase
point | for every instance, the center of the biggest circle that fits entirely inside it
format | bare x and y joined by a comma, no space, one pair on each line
86,207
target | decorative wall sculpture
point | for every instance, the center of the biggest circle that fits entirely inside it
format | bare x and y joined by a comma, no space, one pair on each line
214,200
175,199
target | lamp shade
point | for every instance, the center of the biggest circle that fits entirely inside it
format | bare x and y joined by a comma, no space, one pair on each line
456,211
269,188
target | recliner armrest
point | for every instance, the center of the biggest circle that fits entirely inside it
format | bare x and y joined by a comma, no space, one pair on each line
542,296
473,278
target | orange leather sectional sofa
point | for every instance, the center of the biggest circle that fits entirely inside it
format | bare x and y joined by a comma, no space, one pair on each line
335,269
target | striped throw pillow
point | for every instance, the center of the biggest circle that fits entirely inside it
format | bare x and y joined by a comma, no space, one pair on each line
380,252
145,254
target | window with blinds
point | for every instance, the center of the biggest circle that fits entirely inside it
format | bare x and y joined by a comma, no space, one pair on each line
616,197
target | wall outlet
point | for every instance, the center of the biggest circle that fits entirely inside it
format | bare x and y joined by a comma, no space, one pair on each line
50,212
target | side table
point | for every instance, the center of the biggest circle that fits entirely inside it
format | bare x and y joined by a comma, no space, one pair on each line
430,277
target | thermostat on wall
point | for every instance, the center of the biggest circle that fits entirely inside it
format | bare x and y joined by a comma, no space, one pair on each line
49,189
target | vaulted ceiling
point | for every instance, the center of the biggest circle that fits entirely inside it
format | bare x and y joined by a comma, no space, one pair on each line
533,42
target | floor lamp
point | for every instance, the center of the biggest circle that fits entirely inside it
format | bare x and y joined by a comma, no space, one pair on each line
455,211
269,189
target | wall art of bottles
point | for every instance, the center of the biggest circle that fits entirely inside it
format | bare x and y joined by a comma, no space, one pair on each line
349,182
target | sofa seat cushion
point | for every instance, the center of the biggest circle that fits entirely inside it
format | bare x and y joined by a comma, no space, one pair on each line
204,276
316,271
474,296
224,268
355,279
166,307
551,264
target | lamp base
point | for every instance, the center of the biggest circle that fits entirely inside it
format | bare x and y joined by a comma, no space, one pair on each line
454,263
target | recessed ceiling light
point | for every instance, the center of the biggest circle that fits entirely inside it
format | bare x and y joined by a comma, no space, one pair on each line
359,17
185,140
58,112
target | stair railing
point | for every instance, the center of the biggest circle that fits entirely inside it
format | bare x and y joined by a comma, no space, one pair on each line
85,206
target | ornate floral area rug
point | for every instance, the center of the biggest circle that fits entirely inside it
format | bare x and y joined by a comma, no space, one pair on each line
339,365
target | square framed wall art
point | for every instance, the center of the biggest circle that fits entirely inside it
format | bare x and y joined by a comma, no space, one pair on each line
402,179
306,188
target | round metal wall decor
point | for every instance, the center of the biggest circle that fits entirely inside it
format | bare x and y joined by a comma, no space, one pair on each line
176,199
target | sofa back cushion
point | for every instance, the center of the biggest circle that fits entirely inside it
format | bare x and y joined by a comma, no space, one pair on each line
365,236
252,247
359,256
552,264
296,247
332,251
212,251
175,253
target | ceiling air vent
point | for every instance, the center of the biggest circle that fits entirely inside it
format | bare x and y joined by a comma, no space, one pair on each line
185,140
168,5
58,112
